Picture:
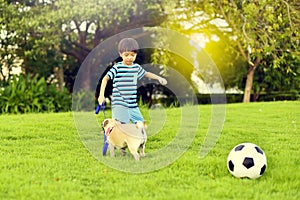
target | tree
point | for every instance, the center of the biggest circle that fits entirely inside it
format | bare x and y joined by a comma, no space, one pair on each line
9,41
264,32
61,33
267,32
189,18
21,36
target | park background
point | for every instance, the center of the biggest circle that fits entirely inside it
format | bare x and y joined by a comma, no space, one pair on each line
254,44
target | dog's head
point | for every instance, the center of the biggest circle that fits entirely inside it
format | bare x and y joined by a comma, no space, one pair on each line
107,123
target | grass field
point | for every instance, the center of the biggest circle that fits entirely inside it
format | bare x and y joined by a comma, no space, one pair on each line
43,157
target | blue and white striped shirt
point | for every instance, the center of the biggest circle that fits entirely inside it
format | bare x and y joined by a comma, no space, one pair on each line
125,83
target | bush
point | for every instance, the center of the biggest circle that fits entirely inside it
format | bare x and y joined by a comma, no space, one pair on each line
83,101
26,94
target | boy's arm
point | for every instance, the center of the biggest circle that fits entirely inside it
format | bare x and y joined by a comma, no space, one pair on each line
101,98
161,80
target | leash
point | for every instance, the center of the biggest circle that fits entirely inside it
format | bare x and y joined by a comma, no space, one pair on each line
105,144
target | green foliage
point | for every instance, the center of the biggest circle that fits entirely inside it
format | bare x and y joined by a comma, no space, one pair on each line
61,33
268,39
9,39
25,94
81,101
268,30
285,77
42,35
42,157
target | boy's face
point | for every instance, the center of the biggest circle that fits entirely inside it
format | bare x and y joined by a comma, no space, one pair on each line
128,57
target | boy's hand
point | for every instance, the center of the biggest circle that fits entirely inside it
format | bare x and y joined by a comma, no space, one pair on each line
162,81
101,100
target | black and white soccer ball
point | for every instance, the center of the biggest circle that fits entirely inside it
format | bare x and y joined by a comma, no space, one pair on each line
247,160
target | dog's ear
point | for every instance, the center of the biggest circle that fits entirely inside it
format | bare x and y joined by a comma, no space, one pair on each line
105,122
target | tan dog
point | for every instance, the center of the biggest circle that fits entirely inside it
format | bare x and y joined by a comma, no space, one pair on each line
121,136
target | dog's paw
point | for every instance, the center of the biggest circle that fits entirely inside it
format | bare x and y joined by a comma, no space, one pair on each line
136,156
142,154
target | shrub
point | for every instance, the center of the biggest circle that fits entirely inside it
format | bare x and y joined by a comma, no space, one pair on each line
32,94
83,101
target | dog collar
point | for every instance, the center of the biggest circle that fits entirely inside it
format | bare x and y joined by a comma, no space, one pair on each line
109,130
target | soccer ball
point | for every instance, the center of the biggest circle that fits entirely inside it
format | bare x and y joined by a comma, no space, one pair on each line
247,160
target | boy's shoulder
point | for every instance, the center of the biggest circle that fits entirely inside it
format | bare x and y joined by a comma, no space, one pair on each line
120,64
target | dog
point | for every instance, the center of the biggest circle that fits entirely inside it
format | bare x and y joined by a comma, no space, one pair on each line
121,136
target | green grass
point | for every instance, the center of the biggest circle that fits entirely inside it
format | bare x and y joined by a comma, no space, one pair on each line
43,157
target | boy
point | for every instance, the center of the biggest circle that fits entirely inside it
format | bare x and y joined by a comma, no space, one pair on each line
125,75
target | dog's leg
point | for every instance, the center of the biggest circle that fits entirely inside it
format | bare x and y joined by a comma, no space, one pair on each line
141,126
134,152
142,150
111,150
136,156
123,151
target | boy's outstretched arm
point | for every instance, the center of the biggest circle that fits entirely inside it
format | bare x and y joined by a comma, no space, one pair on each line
161,80
101,98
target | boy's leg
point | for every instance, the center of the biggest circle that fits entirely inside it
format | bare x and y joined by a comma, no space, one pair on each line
135,115
121,114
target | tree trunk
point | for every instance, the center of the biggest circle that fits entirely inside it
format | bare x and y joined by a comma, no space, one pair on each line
249,81
59,73
255,96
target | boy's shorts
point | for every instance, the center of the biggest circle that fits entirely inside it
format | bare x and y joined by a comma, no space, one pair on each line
127,115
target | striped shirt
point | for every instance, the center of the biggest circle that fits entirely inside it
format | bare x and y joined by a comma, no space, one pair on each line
125,84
